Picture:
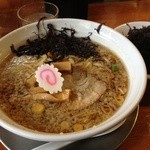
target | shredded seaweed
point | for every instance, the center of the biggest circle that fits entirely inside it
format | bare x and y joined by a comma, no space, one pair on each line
59,43
141,39
99,28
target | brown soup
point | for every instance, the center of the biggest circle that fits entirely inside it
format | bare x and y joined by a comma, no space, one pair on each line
97,91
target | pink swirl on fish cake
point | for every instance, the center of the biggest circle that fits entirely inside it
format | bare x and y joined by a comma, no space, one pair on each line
49,78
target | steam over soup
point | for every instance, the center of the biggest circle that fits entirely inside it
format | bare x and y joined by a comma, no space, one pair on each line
92,91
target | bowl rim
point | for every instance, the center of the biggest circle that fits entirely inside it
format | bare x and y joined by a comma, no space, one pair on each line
132,23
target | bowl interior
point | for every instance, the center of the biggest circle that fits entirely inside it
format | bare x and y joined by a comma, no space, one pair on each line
108,37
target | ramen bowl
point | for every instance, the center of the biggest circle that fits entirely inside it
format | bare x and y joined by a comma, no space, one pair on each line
104,35
125,28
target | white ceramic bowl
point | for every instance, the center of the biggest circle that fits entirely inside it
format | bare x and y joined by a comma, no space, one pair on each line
108,37
124,29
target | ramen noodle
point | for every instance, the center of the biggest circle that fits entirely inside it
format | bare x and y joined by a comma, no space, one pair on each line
92,92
